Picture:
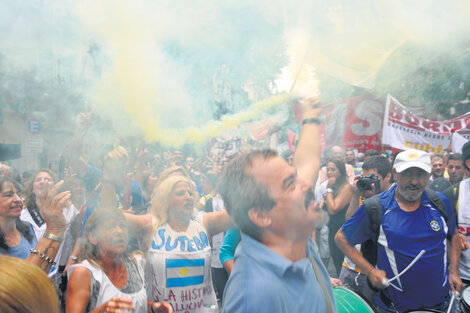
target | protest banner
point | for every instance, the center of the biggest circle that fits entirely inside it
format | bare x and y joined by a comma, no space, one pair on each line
259,129
402,129
355,123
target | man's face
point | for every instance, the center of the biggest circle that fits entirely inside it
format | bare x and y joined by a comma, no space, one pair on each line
178,157
189,163
411,183
289,217
455,170
437,167
350,157
337,153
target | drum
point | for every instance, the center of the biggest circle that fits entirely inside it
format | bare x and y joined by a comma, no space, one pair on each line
347,301
465,301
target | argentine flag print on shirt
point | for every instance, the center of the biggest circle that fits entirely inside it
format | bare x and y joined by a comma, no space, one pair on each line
178,268
184,272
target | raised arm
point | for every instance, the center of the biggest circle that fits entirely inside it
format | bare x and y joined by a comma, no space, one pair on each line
307,154
47,247
217,222
343,197
73,150
137,223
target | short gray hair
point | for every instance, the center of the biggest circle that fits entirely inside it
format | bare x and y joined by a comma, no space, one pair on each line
241,191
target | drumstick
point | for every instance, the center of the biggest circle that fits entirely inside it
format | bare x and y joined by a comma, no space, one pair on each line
386,282
451,301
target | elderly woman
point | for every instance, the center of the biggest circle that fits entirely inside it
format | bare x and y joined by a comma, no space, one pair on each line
17,238
178,259
108,278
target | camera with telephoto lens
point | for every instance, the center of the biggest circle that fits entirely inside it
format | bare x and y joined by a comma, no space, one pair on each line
365,182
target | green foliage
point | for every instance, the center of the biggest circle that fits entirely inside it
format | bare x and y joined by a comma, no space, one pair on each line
435,78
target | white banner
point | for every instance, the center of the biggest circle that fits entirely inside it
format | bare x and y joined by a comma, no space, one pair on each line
402,129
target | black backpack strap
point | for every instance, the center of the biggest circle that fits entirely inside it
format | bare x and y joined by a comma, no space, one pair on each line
373,210
439,204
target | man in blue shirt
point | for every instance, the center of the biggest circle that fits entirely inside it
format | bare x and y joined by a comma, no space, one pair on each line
271,203
410,224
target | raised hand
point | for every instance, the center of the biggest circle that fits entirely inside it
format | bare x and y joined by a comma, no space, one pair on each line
310,107
52,210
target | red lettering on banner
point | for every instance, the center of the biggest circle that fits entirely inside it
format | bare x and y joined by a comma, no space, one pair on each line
362,123
411,120
456,124
399,114
432,126
467,121
464,124
395,112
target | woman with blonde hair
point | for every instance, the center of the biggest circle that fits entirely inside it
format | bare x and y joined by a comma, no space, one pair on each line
178,259
174,170
24,288
108,277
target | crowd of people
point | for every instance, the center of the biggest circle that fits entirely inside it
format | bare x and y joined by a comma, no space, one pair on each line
253,231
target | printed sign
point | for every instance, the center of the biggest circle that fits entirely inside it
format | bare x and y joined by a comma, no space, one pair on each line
402,129
34,126
355,123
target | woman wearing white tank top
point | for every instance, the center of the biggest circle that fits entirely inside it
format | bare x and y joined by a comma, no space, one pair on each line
108,278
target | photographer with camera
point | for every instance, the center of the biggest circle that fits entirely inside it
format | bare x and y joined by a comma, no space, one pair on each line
376,178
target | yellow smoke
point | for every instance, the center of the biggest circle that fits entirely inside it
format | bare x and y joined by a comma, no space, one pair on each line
132,85
350,42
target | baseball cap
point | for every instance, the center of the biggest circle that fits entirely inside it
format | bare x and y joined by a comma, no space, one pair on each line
412,158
